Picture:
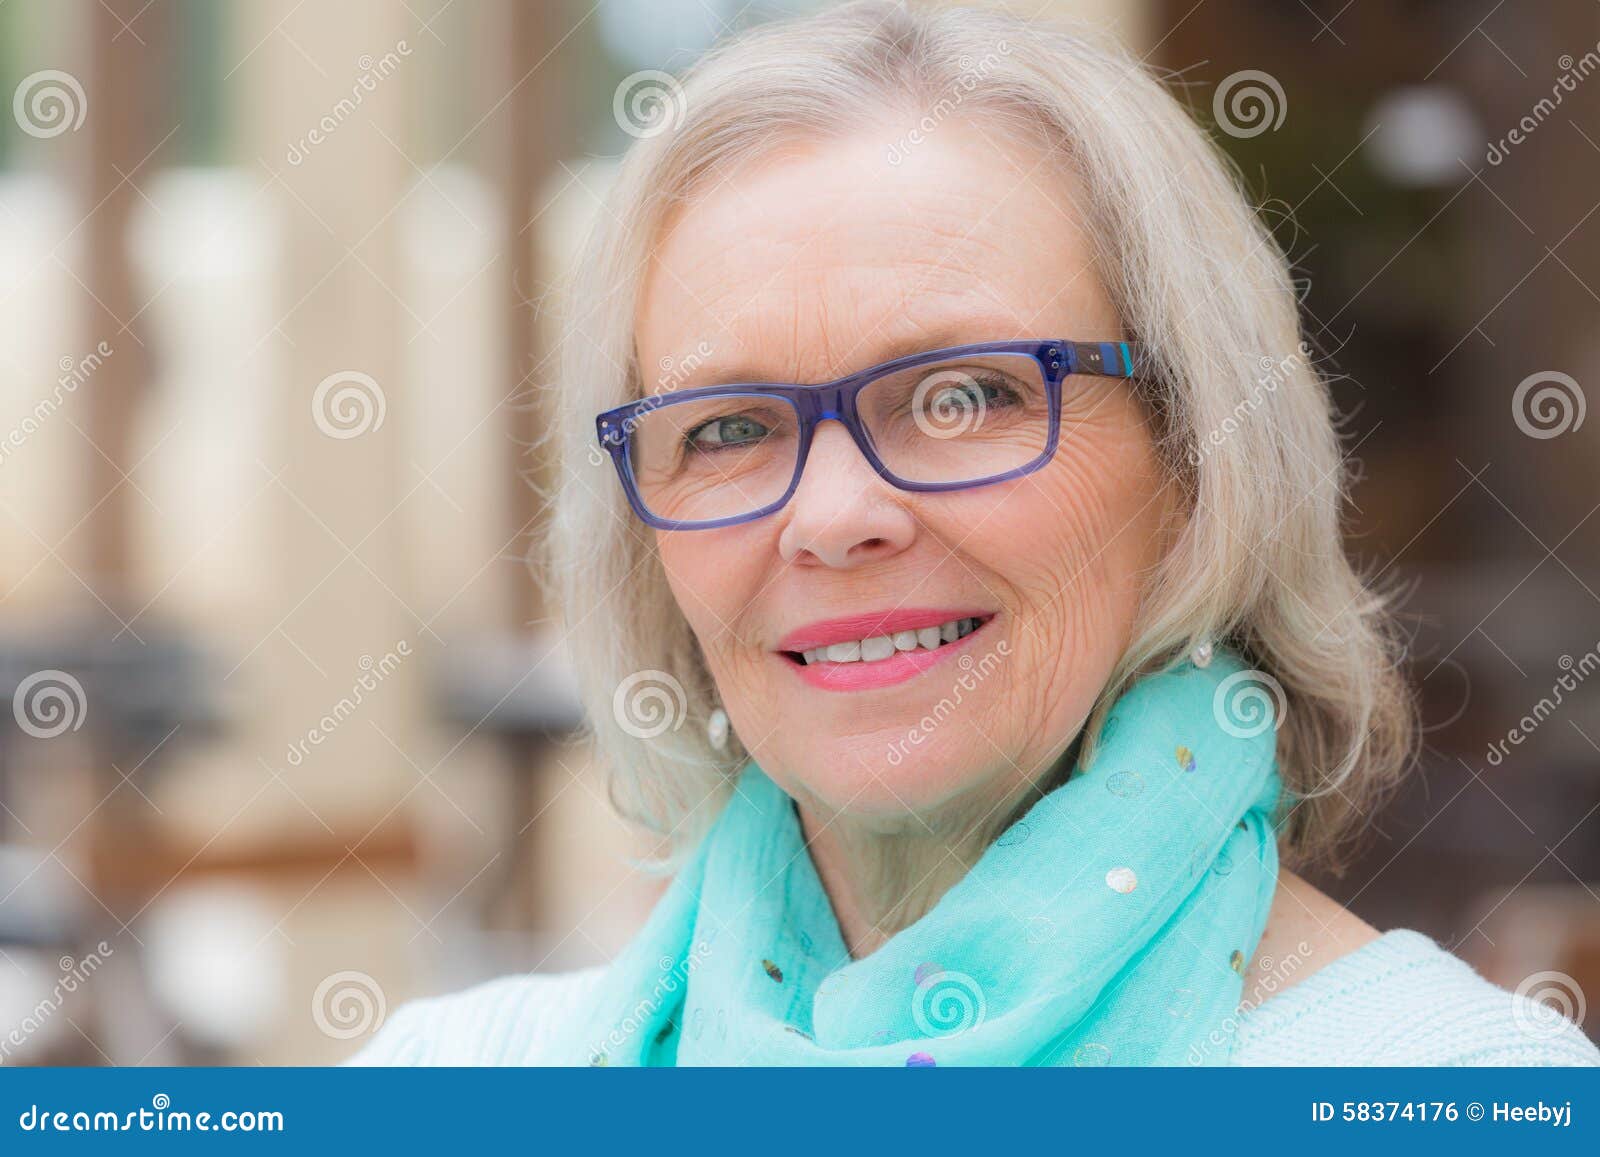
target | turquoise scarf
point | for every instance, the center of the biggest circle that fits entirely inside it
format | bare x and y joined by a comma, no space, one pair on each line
1111,924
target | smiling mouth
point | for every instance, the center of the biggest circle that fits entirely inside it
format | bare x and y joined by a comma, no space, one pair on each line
878,648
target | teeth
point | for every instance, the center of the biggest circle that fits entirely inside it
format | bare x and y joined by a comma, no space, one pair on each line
880,647
875,648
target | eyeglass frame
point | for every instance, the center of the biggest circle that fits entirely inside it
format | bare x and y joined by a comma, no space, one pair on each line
836,400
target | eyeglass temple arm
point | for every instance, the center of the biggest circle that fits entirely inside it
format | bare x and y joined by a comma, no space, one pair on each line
1112,359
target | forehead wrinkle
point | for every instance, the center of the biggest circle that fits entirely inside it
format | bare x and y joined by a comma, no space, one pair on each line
783,289
793,330
928,326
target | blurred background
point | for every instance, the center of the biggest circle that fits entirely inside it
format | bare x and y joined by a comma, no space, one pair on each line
288,737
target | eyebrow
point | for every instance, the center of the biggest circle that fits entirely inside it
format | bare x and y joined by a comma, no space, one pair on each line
954,333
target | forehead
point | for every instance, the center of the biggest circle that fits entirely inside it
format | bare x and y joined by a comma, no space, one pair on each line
826,258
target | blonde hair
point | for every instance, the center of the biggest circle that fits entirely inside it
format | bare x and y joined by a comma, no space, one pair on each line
1259,564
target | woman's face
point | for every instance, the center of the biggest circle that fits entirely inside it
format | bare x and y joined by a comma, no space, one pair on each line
819,262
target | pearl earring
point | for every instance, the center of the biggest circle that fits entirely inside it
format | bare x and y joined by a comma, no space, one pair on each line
717,729
1202,655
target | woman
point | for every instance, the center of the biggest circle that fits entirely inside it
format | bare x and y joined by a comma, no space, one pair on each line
982,518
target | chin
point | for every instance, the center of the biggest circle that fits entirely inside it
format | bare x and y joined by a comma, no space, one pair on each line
896,773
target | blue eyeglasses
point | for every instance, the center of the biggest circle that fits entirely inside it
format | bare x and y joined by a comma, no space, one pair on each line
948,419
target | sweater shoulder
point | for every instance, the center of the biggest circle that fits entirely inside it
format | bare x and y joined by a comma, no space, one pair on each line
1404,1000
512,1020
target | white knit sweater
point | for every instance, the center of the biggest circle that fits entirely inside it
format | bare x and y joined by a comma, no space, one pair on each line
1397,1000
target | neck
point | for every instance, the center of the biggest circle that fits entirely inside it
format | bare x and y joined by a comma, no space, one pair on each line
883,877
880,882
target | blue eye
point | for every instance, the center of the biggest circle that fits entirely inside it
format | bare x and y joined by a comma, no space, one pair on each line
990,390
734,430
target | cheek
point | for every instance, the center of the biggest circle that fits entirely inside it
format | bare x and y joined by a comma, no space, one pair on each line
1079,533
705,580
716,577
1073,545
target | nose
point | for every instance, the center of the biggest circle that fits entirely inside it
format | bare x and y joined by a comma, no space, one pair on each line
843,514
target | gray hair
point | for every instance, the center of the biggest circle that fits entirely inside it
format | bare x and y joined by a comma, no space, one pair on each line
1243,418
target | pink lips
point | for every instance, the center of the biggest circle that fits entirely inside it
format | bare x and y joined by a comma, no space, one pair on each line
880,623
899,667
